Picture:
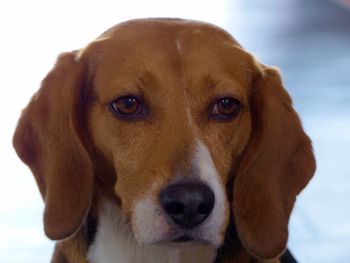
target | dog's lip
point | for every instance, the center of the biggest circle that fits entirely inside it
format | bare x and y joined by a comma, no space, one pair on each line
183,238
182,241
186,238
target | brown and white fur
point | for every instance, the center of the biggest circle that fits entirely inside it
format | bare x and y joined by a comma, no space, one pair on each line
102,174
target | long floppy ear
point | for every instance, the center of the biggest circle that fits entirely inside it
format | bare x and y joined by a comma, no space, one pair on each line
277,165
50,139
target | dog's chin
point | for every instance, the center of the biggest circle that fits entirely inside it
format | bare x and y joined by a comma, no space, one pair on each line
181,242
180,238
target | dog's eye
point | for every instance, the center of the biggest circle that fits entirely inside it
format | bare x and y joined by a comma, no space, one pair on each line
225,108
127,107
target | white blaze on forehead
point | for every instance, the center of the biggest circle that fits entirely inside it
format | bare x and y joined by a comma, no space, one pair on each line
189,118
215,224
205,163
178,46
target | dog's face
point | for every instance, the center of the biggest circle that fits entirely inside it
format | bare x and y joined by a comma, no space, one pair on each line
167,115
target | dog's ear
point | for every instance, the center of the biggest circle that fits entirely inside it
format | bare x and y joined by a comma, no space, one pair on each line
277,165
50,139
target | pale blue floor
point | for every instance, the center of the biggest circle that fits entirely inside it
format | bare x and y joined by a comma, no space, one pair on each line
309,40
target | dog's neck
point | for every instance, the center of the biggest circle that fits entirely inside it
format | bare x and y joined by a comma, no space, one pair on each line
114,243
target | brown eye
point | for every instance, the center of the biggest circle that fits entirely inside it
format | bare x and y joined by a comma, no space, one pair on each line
127,107
225,108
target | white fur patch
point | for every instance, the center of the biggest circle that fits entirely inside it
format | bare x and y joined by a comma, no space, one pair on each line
114,243
178,46
214,226
149,224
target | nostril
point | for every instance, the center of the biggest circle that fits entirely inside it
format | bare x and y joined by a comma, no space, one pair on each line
174,208
205,209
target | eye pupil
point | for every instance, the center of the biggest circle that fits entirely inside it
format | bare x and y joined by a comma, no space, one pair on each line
126,105
129,103
226,108
226,104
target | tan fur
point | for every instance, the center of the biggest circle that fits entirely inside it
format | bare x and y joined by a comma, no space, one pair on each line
78,151
71,250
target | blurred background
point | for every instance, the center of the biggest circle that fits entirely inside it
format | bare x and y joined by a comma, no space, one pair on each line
308,40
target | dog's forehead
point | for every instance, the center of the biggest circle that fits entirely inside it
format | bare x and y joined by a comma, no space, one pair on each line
167,28
168,49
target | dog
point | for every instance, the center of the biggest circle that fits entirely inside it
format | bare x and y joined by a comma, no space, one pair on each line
165,141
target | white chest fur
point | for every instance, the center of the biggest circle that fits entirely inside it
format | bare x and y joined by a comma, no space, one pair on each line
115,244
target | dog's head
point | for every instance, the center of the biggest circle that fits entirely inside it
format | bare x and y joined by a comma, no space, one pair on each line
177,123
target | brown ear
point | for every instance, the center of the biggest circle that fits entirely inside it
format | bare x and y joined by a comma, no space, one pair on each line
50,139
277,165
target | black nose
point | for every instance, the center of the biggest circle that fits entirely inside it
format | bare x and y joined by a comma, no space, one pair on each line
187,203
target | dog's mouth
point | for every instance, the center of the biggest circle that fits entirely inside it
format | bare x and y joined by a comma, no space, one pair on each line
184,238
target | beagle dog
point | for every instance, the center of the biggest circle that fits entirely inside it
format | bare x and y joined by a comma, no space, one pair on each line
164,141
